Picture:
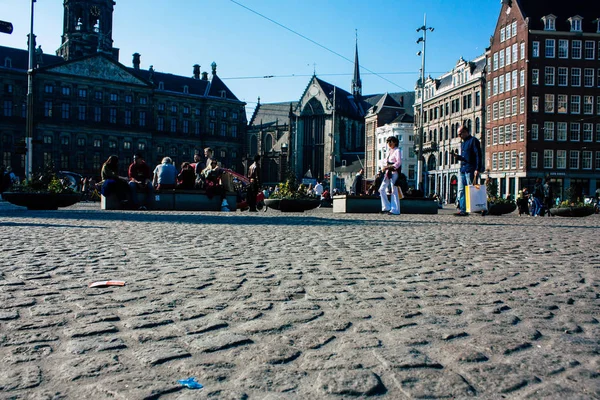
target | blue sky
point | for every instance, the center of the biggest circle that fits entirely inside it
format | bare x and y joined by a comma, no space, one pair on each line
173,35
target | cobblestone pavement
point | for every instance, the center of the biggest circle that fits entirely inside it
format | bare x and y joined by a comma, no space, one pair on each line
304,306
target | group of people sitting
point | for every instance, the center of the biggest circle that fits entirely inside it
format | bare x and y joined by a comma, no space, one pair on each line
198,175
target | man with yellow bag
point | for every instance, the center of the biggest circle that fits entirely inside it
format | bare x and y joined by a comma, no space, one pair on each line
470,163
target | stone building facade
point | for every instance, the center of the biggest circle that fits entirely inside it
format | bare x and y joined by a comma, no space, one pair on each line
89,106
449,101
543,95
269,132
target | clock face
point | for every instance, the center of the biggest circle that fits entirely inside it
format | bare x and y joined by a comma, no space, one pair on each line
314,91
95,11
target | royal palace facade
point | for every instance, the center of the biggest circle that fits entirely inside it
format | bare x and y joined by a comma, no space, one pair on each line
88,106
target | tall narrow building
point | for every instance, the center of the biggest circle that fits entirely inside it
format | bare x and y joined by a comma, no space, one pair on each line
543,96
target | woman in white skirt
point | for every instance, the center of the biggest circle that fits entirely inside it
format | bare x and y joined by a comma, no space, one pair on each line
391,170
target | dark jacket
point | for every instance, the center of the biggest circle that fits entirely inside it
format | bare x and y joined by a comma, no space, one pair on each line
470,150
357,185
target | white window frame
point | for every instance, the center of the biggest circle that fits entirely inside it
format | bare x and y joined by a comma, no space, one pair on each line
561,159
534,159
548,159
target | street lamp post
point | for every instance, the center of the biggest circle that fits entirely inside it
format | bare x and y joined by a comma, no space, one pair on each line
30,113
332,158
423,40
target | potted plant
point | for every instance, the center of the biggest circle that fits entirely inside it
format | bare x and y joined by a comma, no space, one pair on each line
573,206
289,197
496,204
44,191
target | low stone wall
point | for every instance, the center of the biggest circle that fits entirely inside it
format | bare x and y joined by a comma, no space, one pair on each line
176,200
368,204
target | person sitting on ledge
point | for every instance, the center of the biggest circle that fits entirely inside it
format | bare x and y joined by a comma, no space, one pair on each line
140,179
186,180
212,175
165,175
112,183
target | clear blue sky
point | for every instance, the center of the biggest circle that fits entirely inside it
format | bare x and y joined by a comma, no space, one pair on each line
173,35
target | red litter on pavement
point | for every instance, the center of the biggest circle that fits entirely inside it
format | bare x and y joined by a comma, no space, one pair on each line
101,284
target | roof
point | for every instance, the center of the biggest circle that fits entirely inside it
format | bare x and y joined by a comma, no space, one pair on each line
404,99
20,58
174,83
271,113
444,82
344,101
563,10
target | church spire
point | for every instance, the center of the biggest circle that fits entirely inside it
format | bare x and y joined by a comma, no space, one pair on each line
356,82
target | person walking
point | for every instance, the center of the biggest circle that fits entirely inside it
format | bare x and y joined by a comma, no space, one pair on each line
548,196
390,170
357,184
254,185
538,197
470,163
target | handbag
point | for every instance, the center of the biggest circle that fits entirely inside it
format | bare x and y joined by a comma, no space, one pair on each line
476,198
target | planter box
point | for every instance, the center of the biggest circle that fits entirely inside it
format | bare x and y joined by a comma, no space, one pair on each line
292,205
42,201
572,211
176,200
500,209
372,205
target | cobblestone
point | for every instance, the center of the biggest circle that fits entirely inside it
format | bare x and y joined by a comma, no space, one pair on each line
298,306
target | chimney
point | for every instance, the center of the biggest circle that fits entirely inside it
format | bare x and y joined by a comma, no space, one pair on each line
136,61
205,76
196,71
214,68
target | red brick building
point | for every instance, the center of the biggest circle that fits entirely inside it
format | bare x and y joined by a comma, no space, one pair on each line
543,96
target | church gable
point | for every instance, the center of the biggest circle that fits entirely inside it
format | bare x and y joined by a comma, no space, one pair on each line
314,101
97,67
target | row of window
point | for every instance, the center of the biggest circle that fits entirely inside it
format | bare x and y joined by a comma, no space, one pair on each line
575,132
506,160
551,130
562,78
577,159
114,97
452,107
174,123
445,134
506,108
508,31
507,56
561,105
507,82
551,51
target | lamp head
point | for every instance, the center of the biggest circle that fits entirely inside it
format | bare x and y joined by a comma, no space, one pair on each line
419,40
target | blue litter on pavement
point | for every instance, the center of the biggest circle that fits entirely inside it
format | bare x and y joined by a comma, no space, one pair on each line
191,383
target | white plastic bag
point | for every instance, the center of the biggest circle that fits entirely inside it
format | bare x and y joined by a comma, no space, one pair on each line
476,198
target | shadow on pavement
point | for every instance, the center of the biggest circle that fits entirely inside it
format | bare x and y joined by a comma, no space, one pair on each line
269,219
31,225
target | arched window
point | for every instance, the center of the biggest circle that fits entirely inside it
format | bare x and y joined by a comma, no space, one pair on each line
445,136
452,133
477,125
446,157
253,146
268,143
435,135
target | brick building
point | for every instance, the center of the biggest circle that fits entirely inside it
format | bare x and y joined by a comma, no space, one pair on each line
543,96
87,105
